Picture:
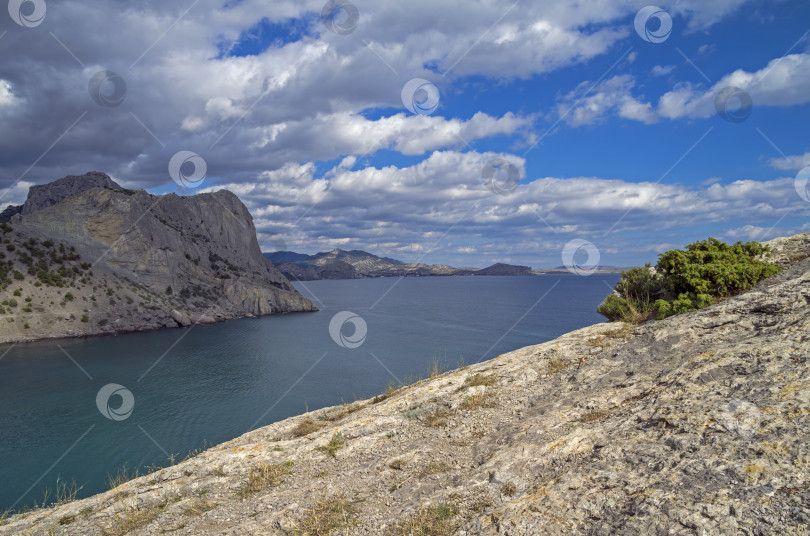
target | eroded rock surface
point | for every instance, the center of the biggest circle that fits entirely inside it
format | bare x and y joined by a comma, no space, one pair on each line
127,260
697,424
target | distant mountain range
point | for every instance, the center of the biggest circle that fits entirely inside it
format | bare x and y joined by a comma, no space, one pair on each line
354,264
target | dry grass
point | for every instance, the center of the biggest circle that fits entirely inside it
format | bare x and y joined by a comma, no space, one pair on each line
200,506
335,414
437,417
264,476
436,369
393,389
593,416
433,521
556,364
477,380
134,518
433,468
508,489
478,400
622,332
335,444
397,464
305,427
121,477
327,517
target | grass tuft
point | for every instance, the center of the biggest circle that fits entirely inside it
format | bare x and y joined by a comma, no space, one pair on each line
478,400
264,476
335,444
433,521
327,517
305,427
477,380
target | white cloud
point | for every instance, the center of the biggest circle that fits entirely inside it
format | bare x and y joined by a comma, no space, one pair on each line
588,105
783,82
791,163
662,70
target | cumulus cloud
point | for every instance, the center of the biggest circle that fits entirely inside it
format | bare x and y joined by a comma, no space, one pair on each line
588,104
783,82
791,163
403,211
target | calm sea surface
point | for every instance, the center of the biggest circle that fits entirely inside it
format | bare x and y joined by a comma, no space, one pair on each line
209,384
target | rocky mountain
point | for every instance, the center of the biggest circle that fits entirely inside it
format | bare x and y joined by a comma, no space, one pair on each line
331,265
696,424
85,256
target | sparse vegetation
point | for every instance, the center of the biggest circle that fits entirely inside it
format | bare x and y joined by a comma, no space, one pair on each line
327,516
683,281
335,444
478,400
305,427
134,518
477,380
264,476
433,468
432,521
556,363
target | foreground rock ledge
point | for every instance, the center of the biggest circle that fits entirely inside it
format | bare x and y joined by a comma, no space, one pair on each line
697,424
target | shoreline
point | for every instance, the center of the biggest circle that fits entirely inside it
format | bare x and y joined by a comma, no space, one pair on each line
573,426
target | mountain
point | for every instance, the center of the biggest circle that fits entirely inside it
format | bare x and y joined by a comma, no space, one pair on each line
696,424
504,269
84,256
297,266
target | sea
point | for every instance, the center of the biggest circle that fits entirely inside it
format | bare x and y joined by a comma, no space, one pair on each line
81,411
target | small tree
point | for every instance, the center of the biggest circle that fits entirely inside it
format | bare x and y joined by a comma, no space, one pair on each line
684,281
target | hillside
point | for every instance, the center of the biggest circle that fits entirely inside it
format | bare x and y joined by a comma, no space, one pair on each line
84,256
697,424
342,264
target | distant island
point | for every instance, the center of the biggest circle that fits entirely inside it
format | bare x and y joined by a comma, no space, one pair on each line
84,256
356,264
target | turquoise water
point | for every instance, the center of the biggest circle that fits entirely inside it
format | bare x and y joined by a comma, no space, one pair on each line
209,384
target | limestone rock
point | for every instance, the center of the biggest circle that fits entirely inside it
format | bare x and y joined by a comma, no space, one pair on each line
45,195
696,424
139,261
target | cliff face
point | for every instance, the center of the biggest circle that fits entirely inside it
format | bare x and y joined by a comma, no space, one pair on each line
135,261
697,424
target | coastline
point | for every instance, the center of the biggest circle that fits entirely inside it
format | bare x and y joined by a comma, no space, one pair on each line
551,438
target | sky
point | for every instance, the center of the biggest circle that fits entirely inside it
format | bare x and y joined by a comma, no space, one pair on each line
454,132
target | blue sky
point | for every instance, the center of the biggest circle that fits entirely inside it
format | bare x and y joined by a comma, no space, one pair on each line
617,140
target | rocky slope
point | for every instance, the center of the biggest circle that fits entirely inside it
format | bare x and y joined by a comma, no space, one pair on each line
86,256
697,424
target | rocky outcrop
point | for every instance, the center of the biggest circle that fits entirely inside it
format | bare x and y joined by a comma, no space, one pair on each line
114,260
697,424
46,195
9,212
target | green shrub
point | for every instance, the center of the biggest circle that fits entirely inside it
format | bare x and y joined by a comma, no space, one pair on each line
684,281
